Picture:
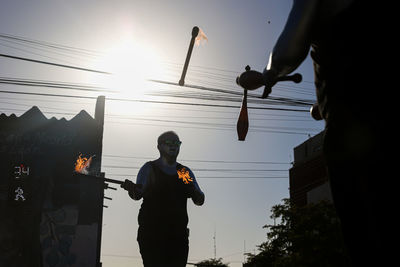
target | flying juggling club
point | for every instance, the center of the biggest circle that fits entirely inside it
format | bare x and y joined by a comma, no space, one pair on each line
251,80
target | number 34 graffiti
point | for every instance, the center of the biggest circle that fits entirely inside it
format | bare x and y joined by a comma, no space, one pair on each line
19,188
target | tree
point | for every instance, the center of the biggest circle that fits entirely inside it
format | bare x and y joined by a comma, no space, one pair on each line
211,263
304,236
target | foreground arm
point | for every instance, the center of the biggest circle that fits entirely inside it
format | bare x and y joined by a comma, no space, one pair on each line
293,44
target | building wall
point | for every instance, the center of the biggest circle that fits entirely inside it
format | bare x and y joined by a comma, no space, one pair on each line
49,217
308,179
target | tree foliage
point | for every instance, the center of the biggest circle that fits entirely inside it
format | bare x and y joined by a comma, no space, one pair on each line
211,263
304,236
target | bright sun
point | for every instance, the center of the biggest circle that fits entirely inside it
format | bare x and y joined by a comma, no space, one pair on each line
132,64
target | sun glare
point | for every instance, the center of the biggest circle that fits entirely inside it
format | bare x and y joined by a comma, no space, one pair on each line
132,64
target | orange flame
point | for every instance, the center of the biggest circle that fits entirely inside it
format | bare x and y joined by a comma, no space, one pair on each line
200,37
82,164
184,175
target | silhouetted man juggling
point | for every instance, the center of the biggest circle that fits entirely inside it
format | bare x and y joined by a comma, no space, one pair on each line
349,49
165,185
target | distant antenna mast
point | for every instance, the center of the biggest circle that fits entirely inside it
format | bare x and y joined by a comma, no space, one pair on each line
244,251
215,242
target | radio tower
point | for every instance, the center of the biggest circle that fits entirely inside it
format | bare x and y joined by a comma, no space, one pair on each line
215,242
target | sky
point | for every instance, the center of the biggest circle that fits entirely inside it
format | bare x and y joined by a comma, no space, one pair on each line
140,41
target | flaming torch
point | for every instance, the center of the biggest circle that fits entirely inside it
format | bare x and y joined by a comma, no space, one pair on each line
82,166
197,36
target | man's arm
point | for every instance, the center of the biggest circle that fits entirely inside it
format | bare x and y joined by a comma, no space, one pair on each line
137,191
197,195
294,42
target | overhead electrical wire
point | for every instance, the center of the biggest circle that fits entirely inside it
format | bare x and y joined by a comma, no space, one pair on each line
205,117
249,95
195,125
13,47
199,171
52,46
198,70
53,64
204,72
207,73
206,170
217,73
200,160
254,115
63,85
53,84
212,177
271,100
226,125
151,101
221,77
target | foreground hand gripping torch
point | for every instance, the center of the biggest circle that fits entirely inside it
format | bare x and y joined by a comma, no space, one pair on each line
251,80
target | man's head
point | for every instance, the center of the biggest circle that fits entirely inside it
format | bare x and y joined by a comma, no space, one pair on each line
168,144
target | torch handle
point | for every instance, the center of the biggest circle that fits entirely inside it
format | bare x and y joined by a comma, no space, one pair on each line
195,31
108,180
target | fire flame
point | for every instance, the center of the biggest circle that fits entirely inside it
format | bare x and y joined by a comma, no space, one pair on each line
82,164
200,37
184,175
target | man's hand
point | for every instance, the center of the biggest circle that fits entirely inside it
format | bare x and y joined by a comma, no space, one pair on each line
270,79
128,185
195,195
132,188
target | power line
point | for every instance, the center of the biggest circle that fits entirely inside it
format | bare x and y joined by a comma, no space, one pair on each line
214,177
53,64
232,76
127,117
253,99
223,129
205,117
61,85
288,100
258,129
29,52
199,160
50,45
203,78
52,84
213,75
44,94
216,73
252,114
224,125
152,101
202,169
